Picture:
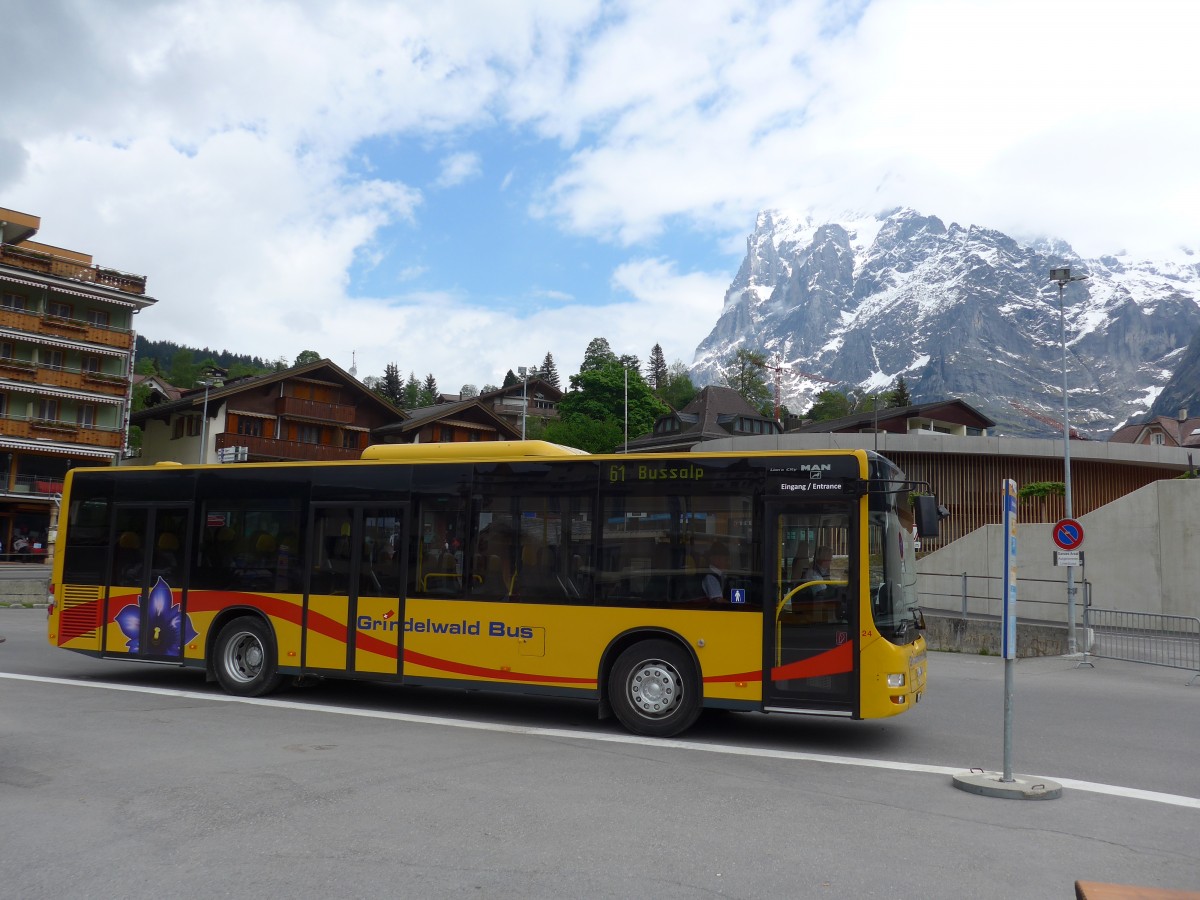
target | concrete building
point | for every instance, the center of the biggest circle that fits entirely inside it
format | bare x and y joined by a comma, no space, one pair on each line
66,358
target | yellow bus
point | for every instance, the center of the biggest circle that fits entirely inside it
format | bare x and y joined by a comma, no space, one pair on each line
655,585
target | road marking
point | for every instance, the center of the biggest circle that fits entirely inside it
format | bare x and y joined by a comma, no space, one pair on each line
536,731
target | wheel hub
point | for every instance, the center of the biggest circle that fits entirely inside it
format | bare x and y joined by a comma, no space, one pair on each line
654,688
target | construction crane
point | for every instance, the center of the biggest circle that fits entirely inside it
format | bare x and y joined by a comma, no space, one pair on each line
1056,424
779,370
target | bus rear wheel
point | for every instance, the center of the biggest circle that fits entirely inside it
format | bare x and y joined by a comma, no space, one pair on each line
244,658
654,689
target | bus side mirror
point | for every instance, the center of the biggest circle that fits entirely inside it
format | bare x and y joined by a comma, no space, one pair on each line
928,514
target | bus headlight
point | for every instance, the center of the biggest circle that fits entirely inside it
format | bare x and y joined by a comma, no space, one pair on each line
896,679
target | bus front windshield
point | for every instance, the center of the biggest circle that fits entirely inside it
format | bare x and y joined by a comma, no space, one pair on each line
893,571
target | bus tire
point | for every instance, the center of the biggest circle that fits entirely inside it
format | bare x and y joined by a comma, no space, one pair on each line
244,658
654,689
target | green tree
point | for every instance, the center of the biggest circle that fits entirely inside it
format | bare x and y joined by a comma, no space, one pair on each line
656,369
183,371
829,404
549,372
429,391
304,357
592,413
585,434
743,371
510,378
899,395
412,392
390,387
678,390
597,355
241,369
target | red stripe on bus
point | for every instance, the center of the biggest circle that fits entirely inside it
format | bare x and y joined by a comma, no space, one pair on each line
837,661
369,644
215,601
445,665
736,676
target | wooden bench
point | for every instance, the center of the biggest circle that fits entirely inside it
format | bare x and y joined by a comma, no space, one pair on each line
1095,890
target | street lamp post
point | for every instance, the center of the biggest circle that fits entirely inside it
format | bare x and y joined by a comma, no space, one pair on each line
211,374
1062,277
523,371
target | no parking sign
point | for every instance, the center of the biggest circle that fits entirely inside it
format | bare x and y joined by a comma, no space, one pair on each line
1068,534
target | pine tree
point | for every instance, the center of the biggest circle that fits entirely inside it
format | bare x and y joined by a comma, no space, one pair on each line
429,391
899,395
412,391
631,362
510,378
549,372
392,388
656,374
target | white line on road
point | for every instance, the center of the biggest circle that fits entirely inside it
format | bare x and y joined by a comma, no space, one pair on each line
725,749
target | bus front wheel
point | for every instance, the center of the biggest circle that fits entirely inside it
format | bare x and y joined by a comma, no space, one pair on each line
654,690
245,658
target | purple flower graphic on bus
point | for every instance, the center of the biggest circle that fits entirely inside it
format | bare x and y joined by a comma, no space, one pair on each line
168,627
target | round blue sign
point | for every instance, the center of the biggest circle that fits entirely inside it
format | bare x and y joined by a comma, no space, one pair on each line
1068,534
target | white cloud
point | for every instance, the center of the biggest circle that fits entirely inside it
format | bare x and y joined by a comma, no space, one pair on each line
459,168
222,147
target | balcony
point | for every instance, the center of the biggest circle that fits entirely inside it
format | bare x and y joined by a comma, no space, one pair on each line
79,330
71,378
264,448
68,329
61,432
47,264
311,410
39,485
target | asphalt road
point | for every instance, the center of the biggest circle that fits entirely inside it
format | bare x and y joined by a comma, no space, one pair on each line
119,780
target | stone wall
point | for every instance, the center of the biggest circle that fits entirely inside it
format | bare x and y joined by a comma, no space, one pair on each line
982,636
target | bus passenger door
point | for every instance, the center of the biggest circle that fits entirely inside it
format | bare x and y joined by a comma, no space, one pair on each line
146,595
355,603
810,613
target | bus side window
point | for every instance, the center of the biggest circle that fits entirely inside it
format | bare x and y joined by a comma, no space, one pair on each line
437,557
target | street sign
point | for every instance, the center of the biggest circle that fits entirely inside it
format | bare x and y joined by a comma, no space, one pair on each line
1068,534
1068,558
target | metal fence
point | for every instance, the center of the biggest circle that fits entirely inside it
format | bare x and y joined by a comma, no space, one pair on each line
1152,638
1039,599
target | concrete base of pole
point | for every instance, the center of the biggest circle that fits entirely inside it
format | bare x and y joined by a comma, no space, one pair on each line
1022,787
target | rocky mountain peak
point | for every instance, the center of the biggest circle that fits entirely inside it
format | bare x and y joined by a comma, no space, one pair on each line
957,311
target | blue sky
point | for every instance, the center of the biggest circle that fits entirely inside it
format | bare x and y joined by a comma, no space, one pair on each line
462,187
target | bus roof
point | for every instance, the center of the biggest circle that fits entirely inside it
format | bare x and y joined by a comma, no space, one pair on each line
463,450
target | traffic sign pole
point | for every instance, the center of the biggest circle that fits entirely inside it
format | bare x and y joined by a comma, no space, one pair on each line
1068,535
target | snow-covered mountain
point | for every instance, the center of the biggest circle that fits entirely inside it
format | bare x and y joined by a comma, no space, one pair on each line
958,312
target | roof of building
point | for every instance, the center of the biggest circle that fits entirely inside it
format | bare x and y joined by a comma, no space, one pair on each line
161,389
530,388
896,418
713,413
197,397
1179,431
465,413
